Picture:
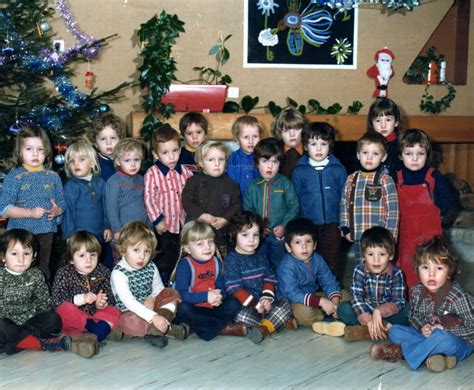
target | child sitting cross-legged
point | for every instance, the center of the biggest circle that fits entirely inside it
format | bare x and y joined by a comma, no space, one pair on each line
441,315
377,291
302,274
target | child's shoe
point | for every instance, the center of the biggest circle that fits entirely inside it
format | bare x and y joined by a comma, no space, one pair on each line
357,333
335,328
115,335
84,344
439,363
389,352
179,331
234,329
292,324
258,333
156,341
60,343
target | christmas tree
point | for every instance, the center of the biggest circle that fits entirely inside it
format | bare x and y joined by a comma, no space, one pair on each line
35,83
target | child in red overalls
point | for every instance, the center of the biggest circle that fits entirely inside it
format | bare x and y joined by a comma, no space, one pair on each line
423,197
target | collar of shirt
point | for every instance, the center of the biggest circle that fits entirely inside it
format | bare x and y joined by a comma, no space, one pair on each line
318,165
33,169
189,148
440,295
86,178
392,137
119,170
164,169
298,148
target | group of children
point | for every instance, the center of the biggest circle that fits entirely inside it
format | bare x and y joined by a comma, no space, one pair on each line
248,252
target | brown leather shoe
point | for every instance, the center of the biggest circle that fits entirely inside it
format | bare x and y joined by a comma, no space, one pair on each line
389,352
178,331
439,363
234,329
356,333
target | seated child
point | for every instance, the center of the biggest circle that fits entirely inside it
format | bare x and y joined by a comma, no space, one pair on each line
247,131
26,318
81,294
441,315
377,291
302,274
148,308
200,281
250,279
193,128
210,195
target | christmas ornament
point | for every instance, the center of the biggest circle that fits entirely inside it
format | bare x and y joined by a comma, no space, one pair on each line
7,49
59,159
104,108
89,79
341,50
14,129
382,71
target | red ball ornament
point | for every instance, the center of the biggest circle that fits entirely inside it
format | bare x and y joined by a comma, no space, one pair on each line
89,79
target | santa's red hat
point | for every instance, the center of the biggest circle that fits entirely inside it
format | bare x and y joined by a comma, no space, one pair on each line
385,50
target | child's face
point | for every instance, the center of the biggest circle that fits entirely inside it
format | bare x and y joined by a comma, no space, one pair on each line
130,162
138,255
106,140
433,275
268,167
385,124
371,156
318,149
248,137
168,153
414,157
18,258
377,259
84,261
301,247
80,165
213,163
32,152
291,137
194,135
247,240
201,250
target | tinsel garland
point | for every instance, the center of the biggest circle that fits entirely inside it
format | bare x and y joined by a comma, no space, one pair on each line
348,4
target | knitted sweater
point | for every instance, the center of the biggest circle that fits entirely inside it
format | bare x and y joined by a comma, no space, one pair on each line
23,295
107,167
241,169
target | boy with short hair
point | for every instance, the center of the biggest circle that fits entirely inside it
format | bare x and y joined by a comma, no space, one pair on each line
303,273
273,197
164,184
370,196
193,128
377,291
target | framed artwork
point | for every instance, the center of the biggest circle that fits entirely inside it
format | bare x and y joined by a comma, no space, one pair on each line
299,34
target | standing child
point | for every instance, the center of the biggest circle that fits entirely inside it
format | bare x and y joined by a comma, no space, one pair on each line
148,308
84,194
200,282
26,318
210,195
377,291
424,198
384,118
441,315
105,133
287,128
193,128
247,131
370,196
250,279
82,295
273,197
164,184
32,196
319,180
303,274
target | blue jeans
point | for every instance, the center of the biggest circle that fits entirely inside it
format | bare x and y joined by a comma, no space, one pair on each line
417,348
274,249
346,314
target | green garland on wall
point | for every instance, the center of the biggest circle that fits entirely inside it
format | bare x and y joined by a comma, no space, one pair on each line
428,104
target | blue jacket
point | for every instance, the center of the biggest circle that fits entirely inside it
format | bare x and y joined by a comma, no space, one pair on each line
297,278
319,192
242,170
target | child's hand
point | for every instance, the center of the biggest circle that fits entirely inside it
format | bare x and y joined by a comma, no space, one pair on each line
327,306
90,298
266,304
101,300
348,237
278,231
208,218
214,297
107,235
149,302
54,211
160,323
219,223
376,329
38,212
162,227
117,235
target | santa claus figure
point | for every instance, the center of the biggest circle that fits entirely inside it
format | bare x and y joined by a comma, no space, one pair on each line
382,71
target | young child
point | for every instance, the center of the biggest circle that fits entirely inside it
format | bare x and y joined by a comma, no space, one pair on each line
303,274
193,127
200,281
81,294
210,195
384,117
441,315
106,131
164,184
26,318
32,196
377,291
84,193
287,128
125,189
148,308
319,180
423,196
250,279
370,196
247,131
273,197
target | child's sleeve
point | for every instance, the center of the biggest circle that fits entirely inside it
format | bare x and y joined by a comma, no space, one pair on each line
415,316
442,193
234,283
289,285
398,296
326,278
190,198
59,197
71,196
112,193
232,171
358,294
42,300
344,206
249,197
9,193
105,285
460,317
391,205
59,292
183,285
158,285
152,194
101,185
292,203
